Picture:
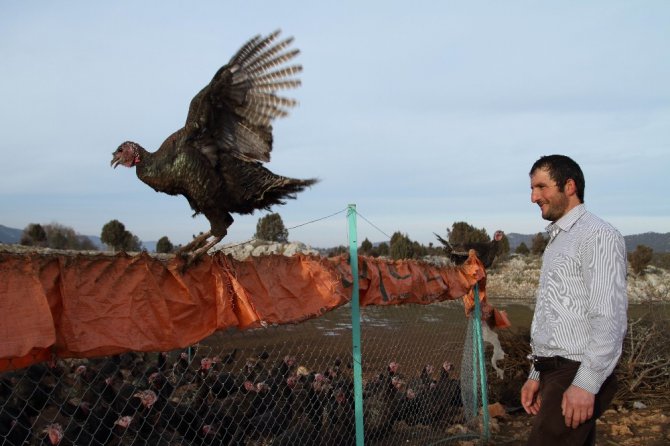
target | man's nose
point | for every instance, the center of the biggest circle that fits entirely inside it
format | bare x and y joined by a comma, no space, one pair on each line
534,196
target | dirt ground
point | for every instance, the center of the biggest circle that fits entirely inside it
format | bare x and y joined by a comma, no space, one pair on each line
618,427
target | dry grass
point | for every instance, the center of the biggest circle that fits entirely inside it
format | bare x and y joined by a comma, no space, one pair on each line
517,279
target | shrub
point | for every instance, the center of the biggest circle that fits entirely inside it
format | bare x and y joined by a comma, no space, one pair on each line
640,258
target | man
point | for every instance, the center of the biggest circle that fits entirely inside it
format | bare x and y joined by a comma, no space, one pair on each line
580,313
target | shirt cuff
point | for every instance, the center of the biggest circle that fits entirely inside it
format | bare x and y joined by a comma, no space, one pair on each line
534,374
588,379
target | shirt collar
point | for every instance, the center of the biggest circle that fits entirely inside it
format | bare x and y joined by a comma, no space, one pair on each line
567,221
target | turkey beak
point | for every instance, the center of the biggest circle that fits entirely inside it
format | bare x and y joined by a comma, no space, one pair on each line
115,161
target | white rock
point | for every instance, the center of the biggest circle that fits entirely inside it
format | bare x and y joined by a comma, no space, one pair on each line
258,248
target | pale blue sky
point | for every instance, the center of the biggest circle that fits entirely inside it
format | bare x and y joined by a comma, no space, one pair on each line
420,113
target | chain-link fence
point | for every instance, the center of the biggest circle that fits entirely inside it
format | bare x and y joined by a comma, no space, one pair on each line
280,385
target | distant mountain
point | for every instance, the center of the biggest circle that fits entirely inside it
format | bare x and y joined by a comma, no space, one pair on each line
10,235
654,240
516,239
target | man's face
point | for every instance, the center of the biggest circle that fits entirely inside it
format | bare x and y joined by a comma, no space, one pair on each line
545,192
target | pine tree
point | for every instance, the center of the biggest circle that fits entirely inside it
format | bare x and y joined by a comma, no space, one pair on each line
522,249
538,244
271,228
34,235
640,258
115,235
463,233
163,245
401,247
366,247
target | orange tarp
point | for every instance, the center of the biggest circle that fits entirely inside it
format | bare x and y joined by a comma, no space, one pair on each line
80,305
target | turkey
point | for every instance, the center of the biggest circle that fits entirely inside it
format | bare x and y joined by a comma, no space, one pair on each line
486,251
215,160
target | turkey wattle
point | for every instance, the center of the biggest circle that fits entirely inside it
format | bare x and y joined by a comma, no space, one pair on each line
215,160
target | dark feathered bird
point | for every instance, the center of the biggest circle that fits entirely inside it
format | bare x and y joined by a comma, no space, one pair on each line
215,160
15,426
486,251
445,402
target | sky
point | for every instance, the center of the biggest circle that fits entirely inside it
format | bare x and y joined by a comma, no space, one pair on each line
421,113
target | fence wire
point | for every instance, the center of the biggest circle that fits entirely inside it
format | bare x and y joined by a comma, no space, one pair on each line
280,385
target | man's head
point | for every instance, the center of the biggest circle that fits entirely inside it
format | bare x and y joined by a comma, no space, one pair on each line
557,185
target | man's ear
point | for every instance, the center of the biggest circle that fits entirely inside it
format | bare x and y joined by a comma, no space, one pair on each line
570,187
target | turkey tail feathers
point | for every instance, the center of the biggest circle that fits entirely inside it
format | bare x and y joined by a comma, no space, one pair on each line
285,188
444,242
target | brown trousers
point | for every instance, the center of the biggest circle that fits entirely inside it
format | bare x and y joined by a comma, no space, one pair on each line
549,427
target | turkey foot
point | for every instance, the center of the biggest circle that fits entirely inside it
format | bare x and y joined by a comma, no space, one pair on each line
200,251
196,243
198,247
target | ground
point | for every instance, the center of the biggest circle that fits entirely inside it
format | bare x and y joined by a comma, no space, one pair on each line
617,427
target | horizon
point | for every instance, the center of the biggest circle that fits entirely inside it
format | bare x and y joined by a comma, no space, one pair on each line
374,242
421,115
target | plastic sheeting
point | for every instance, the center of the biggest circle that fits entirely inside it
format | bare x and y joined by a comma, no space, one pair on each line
82,305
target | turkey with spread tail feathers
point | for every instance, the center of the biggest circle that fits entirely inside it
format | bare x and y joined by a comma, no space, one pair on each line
215,160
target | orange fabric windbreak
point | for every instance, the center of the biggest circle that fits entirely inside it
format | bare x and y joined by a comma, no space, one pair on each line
57,305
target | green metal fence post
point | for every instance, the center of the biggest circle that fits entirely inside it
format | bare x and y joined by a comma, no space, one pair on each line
479,347
356,325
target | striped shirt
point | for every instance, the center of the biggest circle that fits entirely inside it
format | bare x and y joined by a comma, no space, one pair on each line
581,306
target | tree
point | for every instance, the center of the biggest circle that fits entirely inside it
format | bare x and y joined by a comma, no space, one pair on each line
419,250
661,260
115,235
522,249
133,243
366,246
85,243
401,247
34,235
640,258
58,240
56,236
338,251
271,227
383,249
462,233
163,245
504,247
538,244
64,237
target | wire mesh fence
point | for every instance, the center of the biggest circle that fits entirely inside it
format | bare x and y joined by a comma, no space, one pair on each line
279,385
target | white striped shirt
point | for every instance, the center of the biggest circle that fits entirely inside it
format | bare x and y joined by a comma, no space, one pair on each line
581,306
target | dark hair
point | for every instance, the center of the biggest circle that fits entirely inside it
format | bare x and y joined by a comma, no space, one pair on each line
561,169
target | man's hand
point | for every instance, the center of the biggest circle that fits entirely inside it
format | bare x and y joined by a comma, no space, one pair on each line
530,398
577,406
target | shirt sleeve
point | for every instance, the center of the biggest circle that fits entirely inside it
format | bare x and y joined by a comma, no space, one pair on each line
604,264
